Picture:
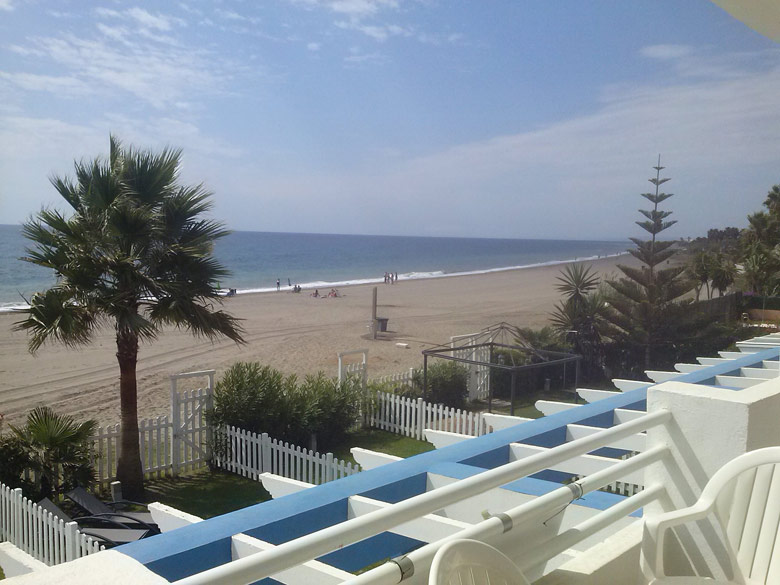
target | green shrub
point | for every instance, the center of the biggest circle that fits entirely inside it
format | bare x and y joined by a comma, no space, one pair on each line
759,302
13,462
447,384
261,399
335,405
254,398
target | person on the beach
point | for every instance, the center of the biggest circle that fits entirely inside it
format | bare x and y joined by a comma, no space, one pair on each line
288,282
278,284
316,293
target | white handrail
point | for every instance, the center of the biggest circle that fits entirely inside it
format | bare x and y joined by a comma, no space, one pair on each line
263,564
535,510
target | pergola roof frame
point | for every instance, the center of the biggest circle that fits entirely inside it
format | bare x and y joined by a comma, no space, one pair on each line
442,352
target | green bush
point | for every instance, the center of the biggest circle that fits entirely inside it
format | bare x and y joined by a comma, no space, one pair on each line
759,302
447,384
261,399
335,405
254,398
13,462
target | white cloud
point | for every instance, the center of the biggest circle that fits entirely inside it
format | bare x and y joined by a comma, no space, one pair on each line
313,47
153,70
378,33
235,16
150,20
351,8
61,86
666,52
360,8
142,18
358,57
6,5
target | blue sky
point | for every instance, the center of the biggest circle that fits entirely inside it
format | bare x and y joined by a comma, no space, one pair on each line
487,119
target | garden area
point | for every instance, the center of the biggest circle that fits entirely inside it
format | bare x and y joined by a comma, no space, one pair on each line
209,493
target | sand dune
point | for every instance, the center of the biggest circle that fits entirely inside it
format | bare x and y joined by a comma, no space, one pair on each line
292,332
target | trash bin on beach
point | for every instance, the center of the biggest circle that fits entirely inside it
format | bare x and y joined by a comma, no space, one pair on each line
382,323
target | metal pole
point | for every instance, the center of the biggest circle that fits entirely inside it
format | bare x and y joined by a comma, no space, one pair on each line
576,374
425,376
563,386
373,314
490,386
512,394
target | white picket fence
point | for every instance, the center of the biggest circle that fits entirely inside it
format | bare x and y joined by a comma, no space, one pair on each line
623,488
39,533
250,454
402,379
168,444
410,417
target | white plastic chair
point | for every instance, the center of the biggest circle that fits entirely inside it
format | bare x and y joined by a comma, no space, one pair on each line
744,498
470,562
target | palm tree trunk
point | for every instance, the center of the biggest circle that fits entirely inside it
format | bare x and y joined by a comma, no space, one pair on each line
129,470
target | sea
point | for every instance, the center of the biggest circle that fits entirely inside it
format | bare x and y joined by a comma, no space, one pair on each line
257,259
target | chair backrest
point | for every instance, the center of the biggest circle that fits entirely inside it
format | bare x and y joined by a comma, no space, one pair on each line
470,562
54,509
87,501
748,507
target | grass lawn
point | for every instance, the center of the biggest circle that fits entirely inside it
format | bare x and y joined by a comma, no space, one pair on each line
206,493
524,405
211,493
383,442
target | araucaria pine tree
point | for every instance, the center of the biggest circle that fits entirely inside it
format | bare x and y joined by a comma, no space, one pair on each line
643,313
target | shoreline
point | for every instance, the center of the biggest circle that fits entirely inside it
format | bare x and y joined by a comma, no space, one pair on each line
294,333
405,277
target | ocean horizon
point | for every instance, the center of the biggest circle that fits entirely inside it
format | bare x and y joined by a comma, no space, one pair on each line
257,259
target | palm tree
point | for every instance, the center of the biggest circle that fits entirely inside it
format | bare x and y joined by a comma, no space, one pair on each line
576,281
579,316
700,270
134,252
56,449
724,272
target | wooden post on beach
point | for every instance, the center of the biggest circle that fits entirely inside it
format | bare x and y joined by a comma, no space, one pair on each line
373,315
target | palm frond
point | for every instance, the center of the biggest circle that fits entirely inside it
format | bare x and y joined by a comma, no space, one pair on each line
55,314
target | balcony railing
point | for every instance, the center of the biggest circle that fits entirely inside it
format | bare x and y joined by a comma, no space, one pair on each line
501,526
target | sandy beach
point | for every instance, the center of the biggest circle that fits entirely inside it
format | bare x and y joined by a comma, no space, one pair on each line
295,333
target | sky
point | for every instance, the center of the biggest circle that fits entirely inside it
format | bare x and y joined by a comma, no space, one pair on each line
514,119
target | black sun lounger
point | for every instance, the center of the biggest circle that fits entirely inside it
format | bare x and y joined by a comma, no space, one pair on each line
95,507
107,530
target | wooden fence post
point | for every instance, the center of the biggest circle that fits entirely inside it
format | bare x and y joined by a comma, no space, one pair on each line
175,424
16,518
206,406
71,540
420,419
329,471
265,448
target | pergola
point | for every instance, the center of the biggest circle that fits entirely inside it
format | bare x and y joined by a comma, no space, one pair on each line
489,349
